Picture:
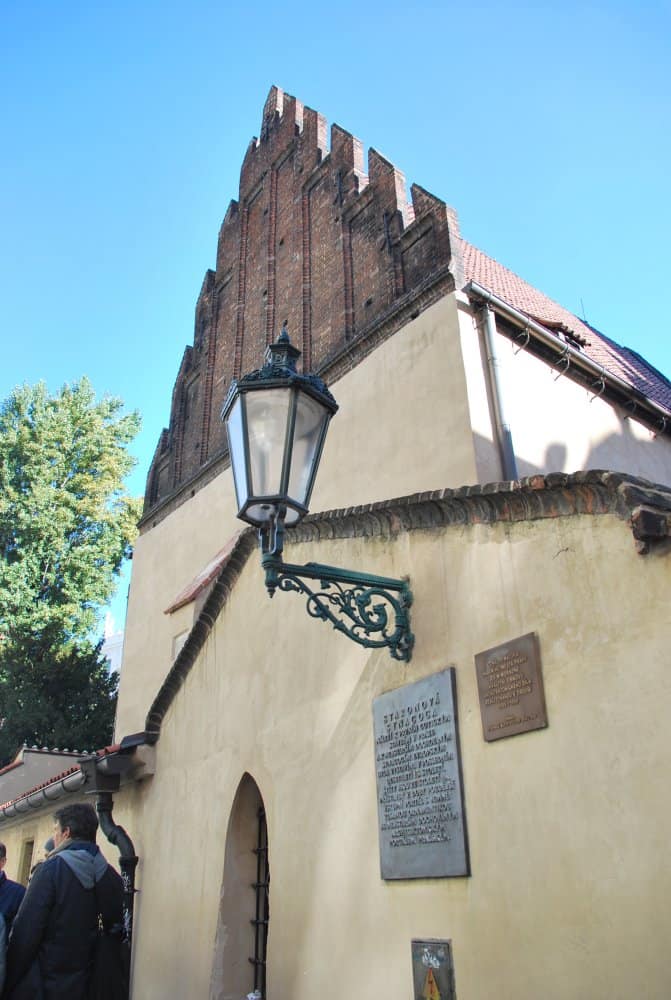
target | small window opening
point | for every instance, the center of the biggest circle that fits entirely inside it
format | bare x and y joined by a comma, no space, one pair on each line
239,966
26,861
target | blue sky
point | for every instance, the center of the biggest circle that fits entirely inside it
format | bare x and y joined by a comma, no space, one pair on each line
546,126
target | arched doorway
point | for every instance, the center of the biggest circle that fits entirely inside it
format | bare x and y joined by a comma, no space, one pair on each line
242,931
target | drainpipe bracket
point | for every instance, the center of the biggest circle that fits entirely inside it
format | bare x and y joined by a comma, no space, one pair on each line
95,781
648,527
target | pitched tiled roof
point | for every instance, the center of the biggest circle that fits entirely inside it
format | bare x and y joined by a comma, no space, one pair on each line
55,778
18,760
620,361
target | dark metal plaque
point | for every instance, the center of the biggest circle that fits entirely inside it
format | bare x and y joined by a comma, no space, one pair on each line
510,685
419,785
432,970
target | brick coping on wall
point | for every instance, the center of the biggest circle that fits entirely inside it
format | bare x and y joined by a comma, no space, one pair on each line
647,507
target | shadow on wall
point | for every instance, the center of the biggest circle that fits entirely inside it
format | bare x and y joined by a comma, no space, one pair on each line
555,461
649,459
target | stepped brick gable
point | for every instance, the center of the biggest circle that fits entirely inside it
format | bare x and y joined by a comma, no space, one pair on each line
333,248
313,240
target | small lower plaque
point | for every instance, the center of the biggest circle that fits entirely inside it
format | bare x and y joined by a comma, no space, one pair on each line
510,686
419,786
432,970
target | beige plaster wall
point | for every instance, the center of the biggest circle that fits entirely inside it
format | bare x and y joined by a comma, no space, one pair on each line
578,431
569,826
404,423
556,425
414,416
403,427
165,559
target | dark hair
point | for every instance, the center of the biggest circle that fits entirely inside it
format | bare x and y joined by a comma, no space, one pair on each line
3,851
80,818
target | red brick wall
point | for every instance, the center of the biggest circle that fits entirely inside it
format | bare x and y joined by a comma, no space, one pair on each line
315,242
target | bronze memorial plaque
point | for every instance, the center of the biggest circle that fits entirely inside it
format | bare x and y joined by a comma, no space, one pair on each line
510,685
420,803
432,970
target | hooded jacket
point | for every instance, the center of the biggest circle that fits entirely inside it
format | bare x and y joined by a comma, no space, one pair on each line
54,933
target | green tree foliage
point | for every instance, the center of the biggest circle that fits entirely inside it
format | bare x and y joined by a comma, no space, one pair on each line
68,703
66,524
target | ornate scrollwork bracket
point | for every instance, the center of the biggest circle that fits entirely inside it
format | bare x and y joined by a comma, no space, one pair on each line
372,610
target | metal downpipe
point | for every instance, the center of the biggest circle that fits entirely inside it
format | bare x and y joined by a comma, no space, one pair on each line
127,863
504,436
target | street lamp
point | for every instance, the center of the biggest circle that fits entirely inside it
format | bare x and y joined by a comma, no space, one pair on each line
276,421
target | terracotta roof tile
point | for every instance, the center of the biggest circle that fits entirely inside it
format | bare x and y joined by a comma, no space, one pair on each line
10,767
43,784
205,577
620,361
105,752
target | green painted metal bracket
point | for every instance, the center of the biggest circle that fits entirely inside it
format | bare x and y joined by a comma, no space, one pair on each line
372,610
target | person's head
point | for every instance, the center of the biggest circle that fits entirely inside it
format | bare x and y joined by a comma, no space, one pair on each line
75,822
48,846
3,856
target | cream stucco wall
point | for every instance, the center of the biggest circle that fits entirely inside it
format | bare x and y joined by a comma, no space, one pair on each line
404,422
556,425
165,559
403,428
568,826
414,416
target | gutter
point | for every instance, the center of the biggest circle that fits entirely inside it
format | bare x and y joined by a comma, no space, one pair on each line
42,796
646,410
121,762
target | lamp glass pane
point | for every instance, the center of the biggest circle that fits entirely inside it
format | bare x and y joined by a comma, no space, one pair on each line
267,414
236,447
310,419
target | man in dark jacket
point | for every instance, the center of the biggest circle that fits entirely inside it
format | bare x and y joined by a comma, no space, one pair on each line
3,951
54,933
11,893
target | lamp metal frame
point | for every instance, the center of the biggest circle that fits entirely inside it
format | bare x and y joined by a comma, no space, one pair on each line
373,611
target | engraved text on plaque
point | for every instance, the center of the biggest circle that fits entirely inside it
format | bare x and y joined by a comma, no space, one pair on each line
419,787
510,685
